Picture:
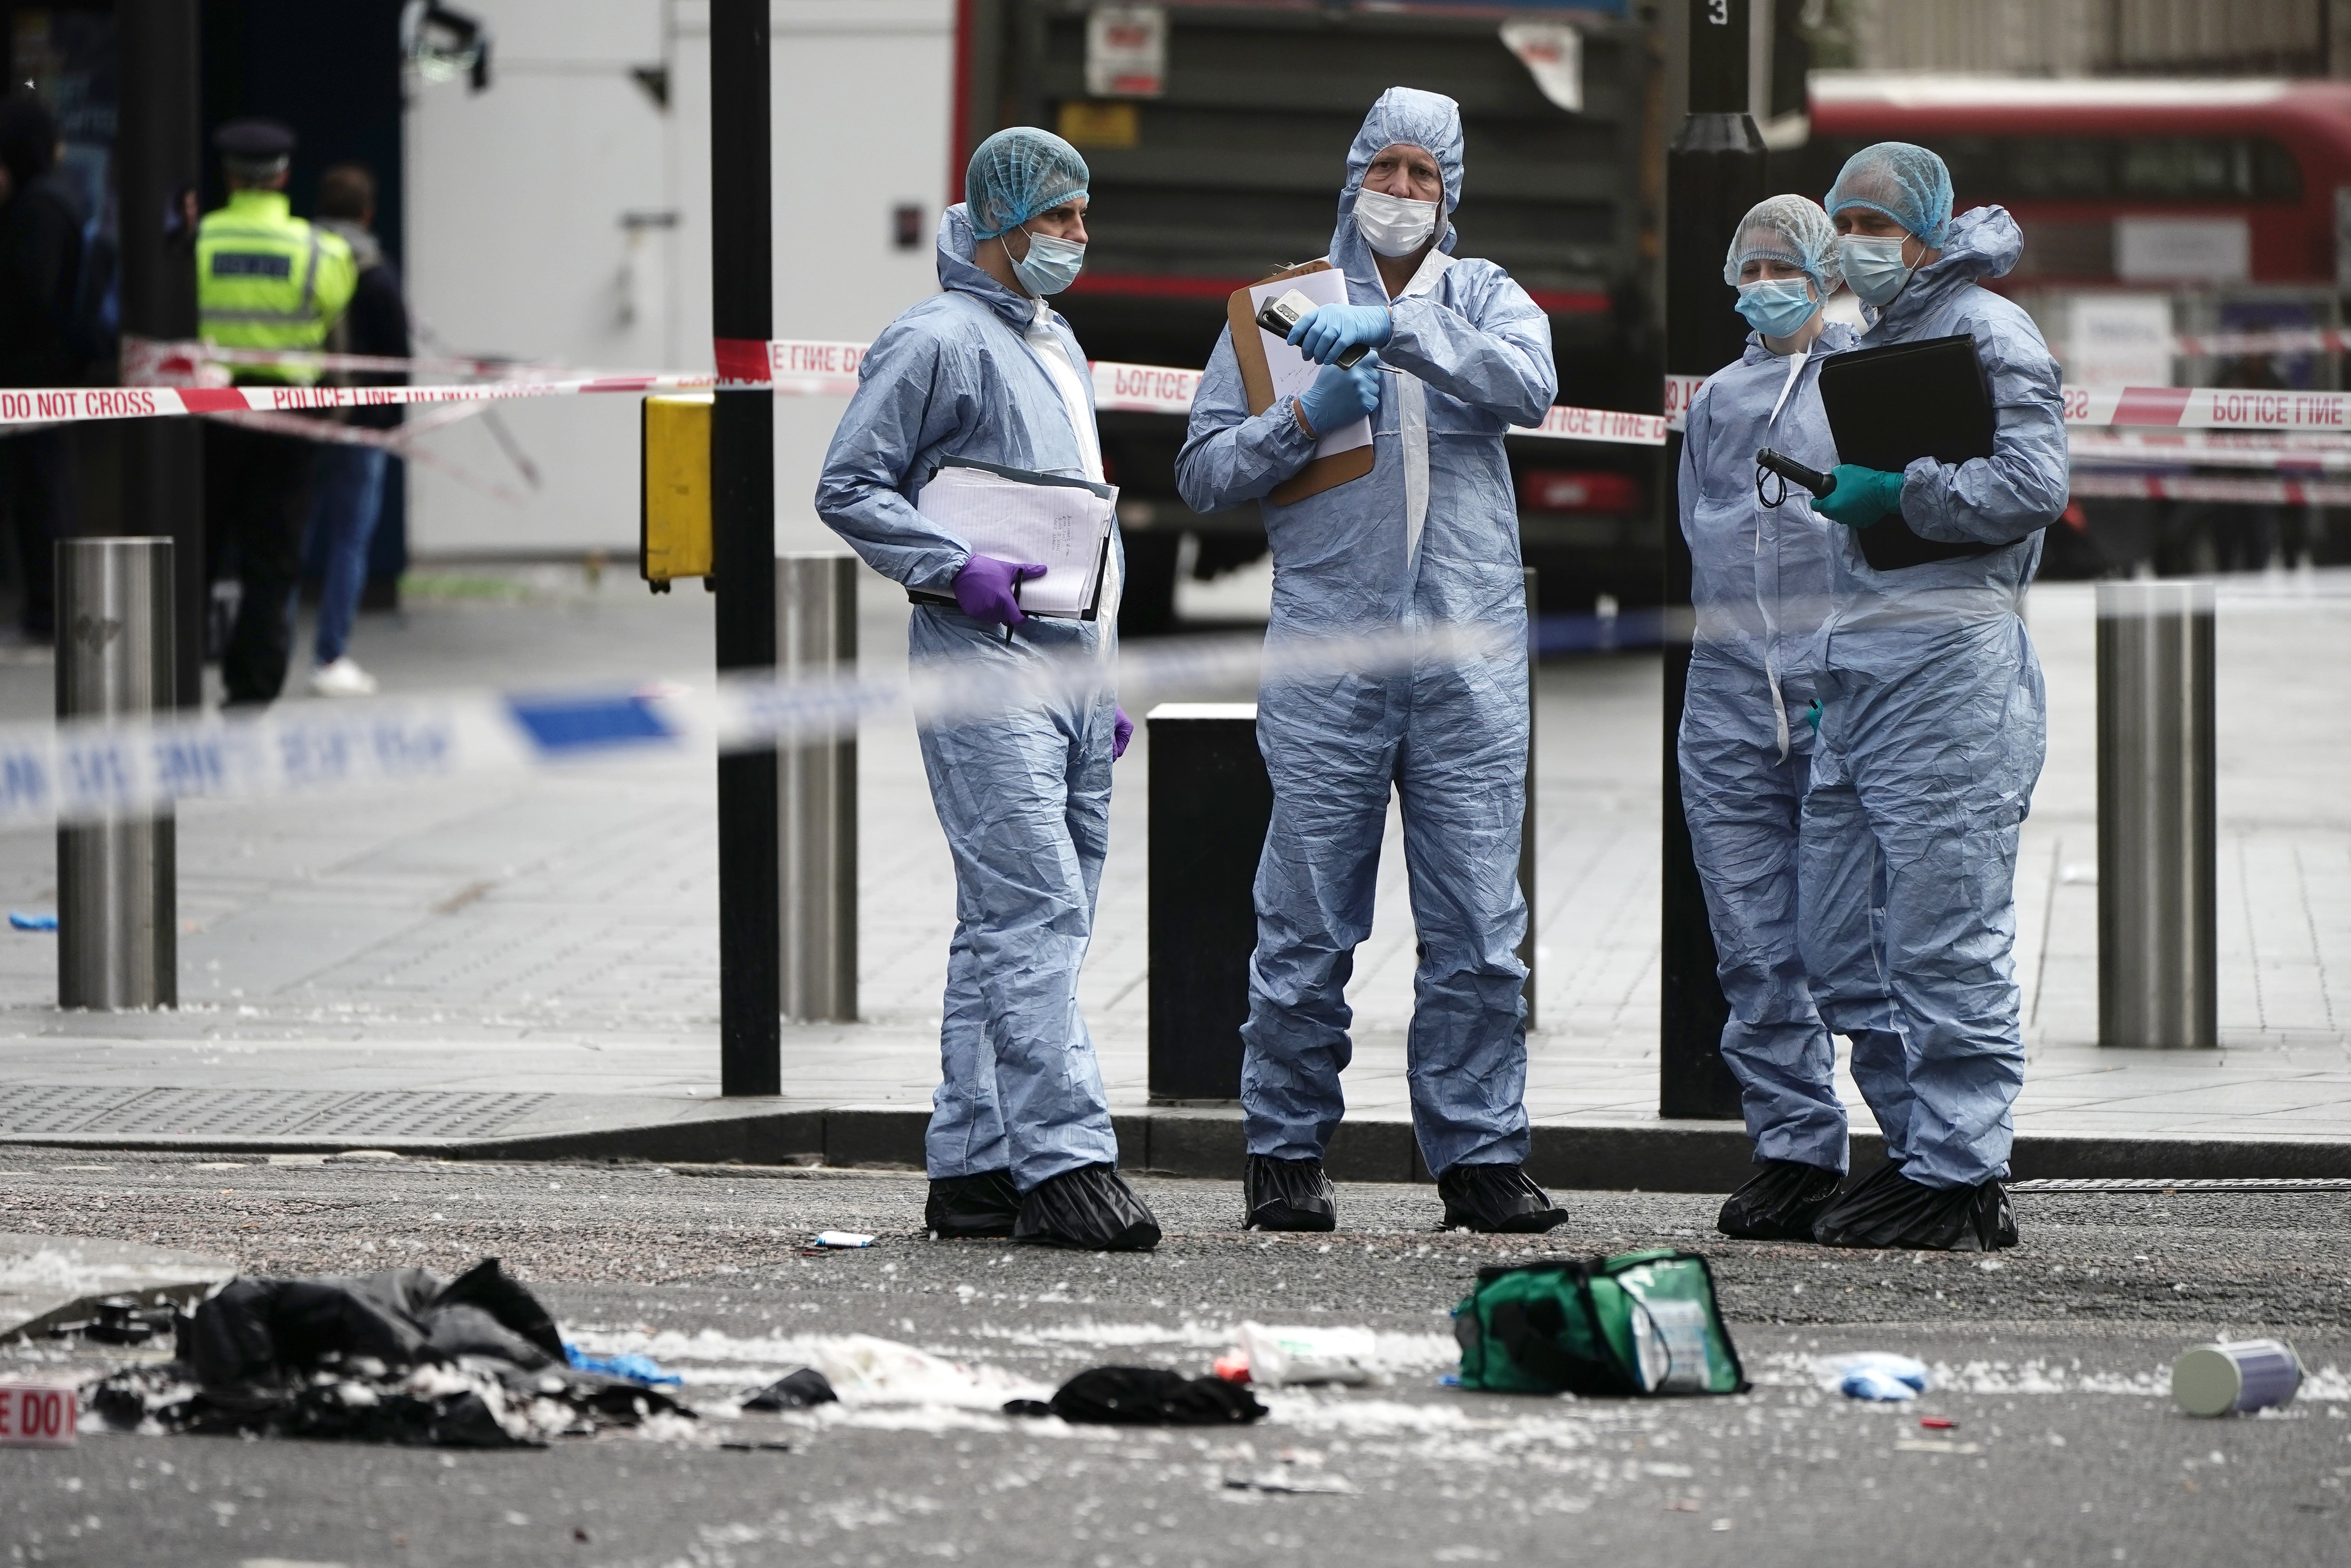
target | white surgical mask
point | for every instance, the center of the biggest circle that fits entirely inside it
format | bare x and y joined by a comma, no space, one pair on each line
1394,226
1050,265
1873,268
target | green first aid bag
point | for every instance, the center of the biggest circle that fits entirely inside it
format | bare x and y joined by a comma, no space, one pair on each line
1638,1324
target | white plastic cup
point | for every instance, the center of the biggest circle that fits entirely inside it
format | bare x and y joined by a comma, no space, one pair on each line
2235,1377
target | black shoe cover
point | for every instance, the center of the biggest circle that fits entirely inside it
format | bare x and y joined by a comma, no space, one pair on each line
1779,1203
1288,1195
1888,1209
1090,1209
966,1206
1499,1199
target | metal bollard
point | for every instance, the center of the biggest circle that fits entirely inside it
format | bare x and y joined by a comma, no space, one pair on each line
816,795
117,898
2157,923
1210,805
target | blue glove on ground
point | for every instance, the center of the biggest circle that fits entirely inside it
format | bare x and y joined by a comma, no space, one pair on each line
1812,715
1861,495
1329,330
1122,731
1340,397
982,589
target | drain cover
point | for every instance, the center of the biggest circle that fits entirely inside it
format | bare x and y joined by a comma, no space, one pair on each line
58,1110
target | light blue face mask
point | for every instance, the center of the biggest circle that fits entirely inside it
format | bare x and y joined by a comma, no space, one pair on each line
1872,267
1050,265
1776,307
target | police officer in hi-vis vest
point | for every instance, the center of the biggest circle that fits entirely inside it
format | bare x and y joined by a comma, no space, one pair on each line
264,279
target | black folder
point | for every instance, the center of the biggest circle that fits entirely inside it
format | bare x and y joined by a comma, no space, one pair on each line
1889,407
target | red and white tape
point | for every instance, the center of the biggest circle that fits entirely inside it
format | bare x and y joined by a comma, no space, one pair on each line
2141,449
2226,490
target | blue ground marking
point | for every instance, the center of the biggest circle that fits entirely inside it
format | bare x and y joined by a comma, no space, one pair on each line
588,723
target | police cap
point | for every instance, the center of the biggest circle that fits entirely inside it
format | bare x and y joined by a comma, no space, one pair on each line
254,140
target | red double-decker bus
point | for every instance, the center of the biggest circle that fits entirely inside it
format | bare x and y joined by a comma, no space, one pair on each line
2114,180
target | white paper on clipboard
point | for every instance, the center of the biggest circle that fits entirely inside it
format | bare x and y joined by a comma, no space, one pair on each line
1290,371
1062,527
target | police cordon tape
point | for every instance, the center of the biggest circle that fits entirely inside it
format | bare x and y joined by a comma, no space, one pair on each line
91,769
818,369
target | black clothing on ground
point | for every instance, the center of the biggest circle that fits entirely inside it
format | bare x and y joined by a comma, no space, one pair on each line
1145,1397
257,505
401,1356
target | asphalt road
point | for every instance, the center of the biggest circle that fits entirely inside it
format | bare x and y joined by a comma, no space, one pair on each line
2052,1364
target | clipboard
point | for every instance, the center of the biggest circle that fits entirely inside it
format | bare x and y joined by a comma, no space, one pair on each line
1257,381
1107,494
1889,407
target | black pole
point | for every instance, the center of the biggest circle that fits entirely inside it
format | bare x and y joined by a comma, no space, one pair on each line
1714,174
159,152
743,545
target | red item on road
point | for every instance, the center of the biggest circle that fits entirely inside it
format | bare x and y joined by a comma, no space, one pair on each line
1936,1423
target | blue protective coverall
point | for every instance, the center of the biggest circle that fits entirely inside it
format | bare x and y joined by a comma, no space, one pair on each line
1428,538
1023,795
1933,736
1762,581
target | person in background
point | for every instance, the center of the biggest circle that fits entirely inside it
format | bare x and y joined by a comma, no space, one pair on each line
264,279
1020,1141
1760,571
41,277
1934,721
349,489
1427,540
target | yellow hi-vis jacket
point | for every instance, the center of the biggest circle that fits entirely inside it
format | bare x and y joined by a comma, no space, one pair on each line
266,279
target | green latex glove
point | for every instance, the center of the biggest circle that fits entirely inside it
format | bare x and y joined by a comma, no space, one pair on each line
1812,715
1861,495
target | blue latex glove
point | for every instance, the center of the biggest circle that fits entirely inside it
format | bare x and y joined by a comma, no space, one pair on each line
1340,398
1812,715
1122,731
1861,495
1329,330
982,589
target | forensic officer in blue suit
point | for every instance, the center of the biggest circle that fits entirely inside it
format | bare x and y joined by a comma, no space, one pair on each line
1019,1140
1762,567
1426,542
1933,725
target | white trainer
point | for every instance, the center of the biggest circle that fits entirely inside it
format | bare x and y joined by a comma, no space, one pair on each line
343,678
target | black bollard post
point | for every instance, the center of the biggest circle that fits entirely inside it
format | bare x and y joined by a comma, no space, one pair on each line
1714,174
743,543
1210,803
158,48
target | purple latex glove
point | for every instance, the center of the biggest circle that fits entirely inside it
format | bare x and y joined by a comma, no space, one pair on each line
1122,731
982,589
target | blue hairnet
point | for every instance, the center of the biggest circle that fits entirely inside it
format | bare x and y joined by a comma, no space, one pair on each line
1908,184
1408,117
1790,229
1018,173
